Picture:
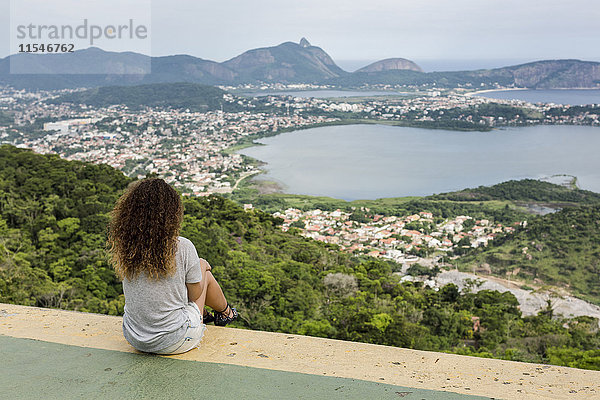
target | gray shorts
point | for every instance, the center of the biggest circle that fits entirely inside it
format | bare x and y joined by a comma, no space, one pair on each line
193,334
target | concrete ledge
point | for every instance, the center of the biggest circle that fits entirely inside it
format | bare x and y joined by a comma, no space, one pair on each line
325,357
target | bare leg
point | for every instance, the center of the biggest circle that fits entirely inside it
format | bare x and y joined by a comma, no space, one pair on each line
215,298
212,294
202,299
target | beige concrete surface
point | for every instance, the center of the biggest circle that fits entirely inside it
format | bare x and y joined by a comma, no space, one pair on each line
295,353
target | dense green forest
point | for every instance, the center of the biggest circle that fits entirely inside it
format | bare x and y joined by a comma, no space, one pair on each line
573,110
523,190
454,118
561,249
501,201
53,216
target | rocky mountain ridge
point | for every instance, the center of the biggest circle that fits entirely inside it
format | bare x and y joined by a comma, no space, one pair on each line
285,63
391,64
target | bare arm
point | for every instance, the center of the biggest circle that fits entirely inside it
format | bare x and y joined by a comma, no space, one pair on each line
206,265
194,290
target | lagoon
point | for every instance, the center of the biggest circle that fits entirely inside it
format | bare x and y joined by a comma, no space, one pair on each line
374,161
575,97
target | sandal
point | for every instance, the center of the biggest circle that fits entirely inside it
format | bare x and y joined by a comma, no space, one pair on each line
208,317
222,318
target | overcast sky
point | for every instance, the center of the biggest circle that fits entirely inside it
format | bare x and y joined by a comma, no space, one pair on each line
358,30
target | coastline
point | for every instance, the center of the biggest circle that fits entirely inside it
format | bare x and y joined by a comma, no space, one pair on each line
517,89
494,90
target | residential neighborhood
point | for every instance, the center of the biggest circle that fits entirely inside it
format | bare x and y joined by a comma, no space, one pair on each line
195,151
400,238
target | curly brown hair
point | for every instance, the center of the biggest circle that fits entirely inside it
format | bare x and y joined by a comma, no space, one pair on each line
143,230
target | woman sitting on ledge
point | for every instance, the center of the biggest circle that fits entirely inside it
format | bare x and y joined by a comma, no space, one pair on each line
166,284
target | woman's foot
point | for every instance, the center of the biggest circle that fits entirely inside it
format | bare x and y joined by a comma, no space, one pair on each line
226,316
208,317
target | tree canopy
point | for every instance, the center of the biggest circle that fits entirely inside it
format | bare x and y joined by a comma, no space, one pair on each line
53,216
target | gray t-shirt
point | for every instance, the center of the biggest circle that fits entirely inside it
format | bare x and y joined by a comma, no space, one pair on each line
155,315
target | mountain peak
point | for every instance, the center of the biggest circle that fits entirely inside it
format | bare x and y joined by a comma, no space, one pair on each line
304,42
391,64
286,62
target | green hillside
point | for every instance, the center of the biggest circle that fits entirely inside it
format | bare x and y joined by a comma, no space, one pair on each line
484,201
563,248
53,216
504,211
194,96
531,190
560,249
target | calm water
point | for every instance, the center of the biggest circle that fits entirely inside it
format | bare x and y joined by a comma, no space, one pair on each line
558,96
374,161
323,94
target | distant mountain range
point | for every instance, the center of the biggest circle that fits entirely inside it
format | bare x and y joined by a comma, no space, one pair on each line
548,74
286,63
